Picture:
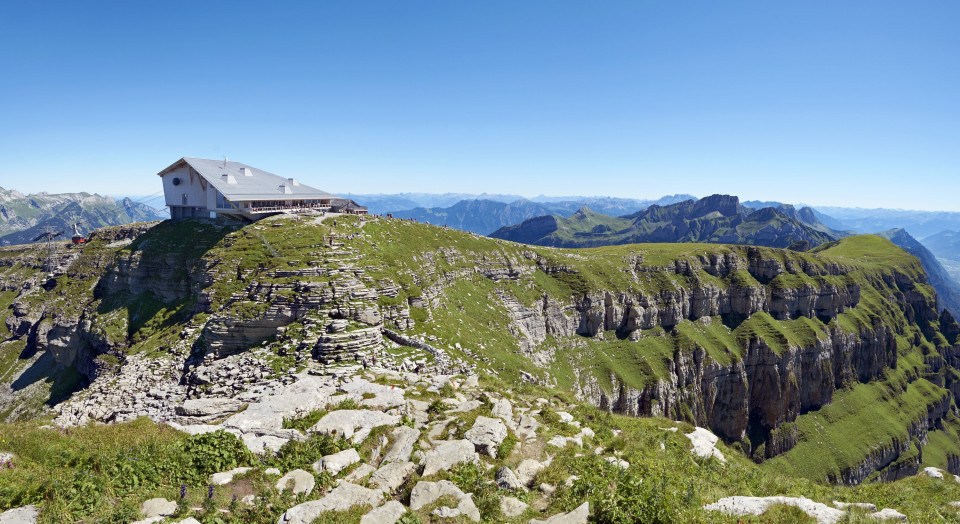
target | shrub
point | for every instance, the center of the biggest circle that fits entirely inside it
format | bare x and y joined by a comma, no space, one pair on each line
301,454
305,422
217,451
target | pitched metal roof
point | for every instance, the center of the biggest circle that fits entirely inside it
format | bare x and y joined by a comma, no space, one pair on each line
259,185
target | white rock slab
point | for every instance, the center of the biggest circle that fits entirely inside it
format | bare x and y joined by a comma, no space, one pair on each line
704,443
739,506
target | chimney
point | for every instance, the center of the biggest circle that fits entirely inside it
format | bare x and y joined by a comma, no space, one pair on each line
246,171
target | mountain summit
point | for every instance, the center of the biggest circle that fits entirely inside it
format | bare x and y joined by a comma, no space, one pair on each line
713,219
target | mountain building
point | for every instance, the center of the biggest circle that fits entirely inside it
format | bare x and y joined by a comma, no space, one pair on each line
199,187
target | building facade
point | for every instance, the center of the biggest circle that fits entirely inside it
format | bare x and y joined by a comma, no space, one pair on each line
199,187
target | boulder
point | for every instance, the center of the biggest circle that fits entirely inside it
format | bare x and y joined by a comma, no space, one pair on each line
337,462
503,410
618,462
507,479
527,470
703,444
426,493
391,476
448,454
158,507
226,477
487,434
527,429
404,438
342,498
259,440
932,473
353,423
389,513
577,516
512,507
298,481
889,514
21,515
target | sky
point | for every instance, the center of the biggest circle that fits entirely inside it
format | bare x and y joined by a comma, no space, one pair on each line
851,103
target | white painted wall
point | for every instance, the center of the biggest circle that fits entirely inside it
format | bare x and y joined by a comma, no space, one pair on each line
196,196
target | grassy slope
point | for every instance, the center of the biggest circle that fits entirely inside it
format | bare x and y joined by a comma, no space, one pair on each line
418,257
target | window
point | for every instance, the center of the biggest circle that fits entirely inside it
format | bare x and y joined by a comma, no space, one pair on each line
184,199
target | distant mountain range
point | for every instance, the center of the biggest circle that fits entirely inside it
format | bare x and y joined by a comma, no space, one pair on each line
485,216
22,217
713,219
945,244
920,224
412,205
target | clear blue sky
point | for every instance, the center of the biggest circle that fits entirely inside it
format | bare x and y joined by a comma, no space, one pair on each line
824,102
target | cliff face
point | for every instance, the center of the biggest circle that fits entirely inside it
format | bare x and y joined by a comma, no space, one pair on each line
773,350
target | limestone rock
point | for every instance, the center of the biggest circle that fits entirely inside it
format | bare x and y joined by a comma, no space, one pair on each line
862,505
21,515
577,516
448,454
512,507
209,408
389,513
226,477
527,470
739,506
342,498
391,476
337,462
404,438
507,479
158,507
360,473
300,482
425,493
889,514
618,462
503,410
353,423
932,472
487,434
383,396
703,444
527,429
467,405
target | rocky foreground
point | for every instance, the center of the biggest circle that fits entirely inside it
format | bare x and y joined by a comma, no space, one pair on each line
441,448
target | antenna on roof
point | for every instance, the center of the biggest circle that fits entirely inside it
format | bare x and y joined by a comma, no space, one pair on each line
224,161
